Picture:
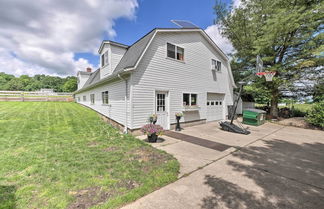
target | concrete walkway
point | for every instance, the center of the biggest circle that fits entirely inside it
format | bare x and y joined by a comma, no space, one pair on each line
273,167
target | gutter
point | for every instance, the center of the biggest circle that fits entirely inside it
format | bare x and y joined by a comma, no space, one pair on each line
126,107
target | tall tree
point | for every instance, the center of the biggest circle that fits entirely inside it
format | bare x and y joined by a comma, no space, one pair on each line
287,34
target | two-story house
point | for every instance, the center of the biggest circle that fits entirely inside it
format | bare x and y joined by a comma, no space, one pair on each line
167,71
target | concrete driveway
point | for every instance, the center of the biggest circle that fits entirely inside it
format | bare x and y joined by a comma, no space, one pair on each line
273,167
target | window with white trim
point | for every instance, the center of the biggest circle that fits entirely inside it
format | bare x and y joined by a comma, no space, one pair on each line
104,59
160,102
189,99
84,98
175,52
92,98
105,97
216,65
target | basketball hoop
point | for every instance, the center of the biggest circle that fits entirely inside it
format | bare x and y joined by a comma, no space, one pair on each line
268,75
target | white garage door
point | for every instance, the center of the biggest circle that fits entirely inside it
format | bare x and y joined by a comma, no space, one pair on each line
215,106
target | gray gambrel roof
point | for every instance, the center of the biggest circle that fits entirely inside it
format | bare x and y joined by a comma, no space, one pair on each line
129,60
133,54
94,78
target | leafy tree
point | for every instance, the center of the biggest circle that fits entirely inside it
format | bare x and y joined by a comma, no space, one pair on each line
318,94
70,85
27,83
15,84
287,34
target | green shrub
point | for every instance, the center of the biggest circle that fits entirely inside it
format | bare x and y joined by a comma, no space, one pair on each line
315,115
298,113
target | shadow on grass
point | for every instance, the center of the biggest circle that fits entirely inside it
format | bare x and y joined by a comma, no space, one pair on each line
289,176
7,197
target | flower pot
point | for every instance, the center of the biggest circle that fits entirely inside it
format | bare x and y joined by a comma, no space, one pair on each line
153,120
152,138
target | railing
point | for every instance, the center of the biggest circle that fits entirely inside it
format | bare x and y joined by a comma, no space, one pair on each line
35,96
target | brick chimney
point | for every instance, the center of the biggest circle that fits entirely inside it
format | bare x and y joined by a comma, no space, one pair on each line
89,69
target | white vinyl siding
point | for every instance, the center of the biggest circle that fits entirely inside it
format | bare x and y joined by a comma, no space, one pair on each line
154,72
116,54
116,107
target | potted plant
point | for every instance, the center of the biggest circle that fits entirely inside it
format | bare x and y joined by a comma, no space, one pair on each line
153,118
152,131
178,117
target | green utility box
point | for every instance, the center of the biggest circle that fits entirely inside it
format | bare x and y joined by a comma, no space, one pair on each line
254,117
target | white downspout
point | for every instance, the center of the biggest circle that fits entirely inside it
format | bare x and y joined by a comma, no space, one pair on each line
126,115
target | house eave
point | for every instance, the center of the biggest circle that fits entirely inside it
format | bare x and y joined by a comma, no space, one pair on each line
112,43
102,81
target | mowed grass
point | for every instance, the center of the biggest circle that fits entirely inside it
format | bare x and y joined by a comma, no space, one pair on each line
62,155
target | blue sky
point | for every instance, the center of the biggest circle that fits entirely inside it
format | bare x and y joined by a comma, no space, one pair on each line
61,37
153,13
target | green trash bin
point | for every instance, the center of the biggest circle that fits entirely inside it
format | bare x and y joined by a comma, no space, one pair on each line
254,117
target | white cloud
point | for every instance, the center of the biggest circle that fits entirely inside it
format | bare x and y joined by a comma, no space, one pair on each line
214,32
236,3
44,35
221,41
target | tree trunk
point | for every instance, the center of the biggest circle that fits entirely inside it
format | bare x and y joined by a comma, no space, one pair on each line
274,111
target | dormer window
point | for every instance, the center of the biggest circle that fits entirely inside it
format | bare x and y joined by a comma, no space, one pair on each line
104,59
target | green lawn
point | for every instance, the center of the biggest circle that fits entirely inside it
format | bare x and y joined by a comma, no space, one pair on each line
61,155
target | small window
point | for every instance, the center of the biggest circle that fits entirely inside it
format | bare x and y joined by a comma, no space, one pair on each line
186,99
212,103
193,99
175,52
216,103
171,50
79,99
105,97
84,98
104,59
213,64
92,98
216,65
180,53
189,99
207,103
220,103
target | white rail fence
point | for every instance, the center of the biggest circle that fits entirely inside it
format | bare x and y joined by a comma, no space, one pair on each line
35,96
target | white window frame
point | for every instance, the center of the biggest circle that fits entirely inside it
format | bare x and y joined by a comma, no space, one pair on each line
92,98
175,52
215,66
103,97
104,59
84,98
196,105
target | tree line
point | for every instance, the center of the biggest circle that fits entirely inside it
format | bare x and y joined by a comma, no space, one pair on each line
26,83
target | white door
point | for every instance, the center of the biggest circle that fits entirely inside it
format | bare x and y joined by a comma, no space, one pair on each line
161,108
215,106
